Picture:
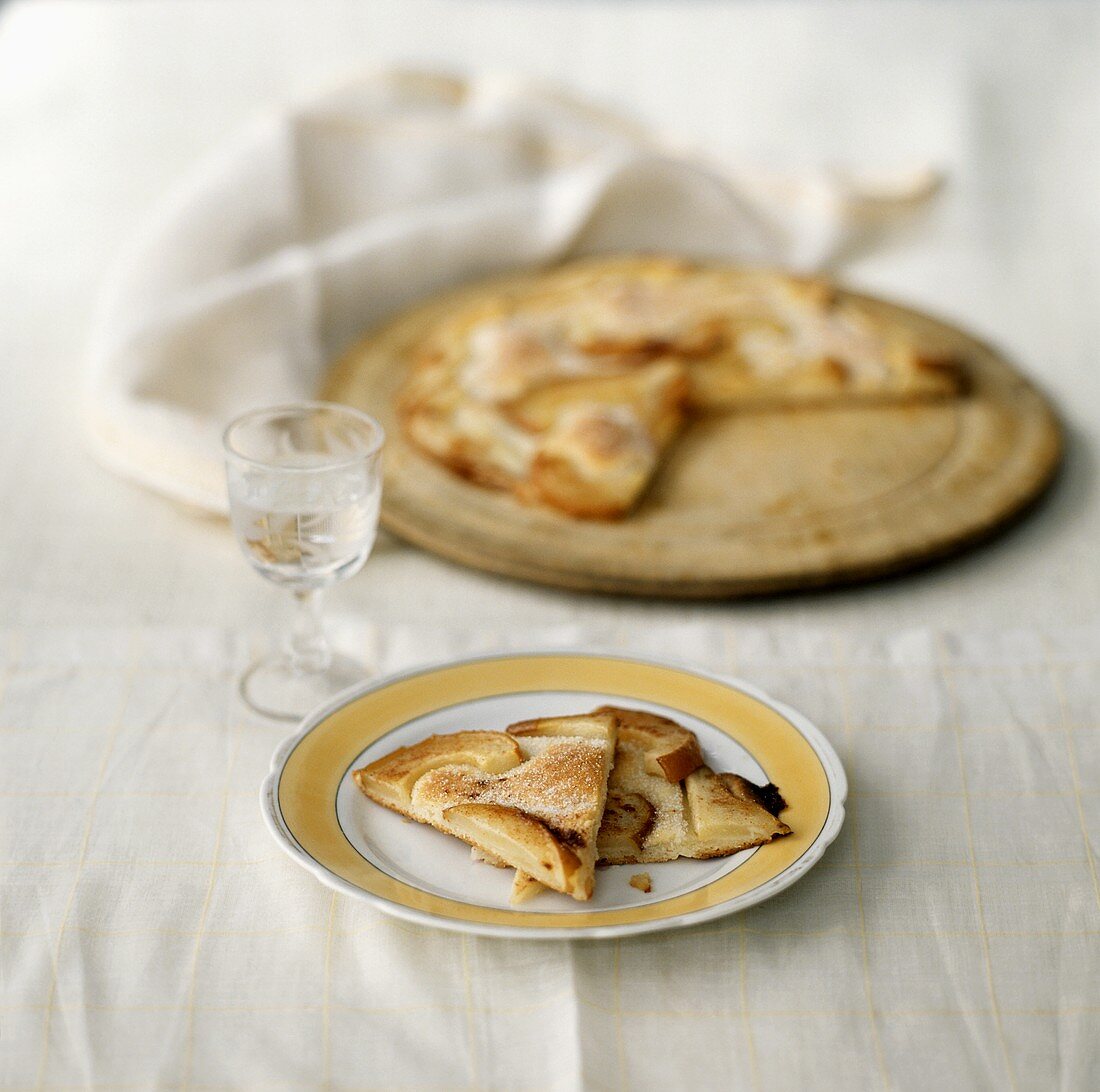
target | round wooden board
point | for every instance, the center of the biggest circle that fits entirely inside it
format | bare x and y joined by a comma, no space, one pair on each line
747,503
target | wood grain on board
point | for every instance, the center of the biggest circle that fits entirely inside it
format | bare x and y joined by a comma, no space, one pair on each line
747,502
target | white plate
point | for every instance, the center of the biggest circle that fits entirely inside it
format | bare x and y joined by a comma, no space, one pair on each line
318,815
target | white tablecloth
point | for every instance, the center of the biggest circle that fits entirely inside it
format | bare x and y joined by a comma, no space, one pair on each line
154,935
116,971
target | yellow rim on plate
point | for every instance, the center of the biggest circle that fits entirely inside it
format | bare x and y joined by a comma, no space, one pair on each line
307,772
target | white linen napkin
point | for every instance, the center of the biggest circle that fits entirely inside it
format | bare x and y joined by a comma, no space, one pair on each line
321,220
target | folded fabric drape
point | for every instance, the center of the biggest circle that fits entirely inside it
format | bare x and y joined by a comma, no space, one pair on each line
321,220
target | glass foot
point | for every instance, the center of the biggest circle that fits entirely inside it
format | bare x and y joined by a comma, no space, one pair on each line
272,688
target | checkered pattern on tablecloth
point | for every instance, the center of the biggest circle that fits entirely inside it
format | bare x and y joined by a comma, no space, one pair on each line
151,933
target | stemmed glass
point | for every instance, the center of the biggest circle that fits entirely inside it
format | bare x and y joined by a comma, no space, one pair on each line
305,487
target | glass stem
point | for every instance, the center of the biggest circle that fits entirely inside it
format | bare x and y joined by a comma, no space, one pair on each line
309,648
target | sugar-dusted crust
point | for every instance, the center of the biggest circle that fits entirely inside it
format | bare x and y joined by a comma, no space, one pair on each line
561,788
389,780
541,817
